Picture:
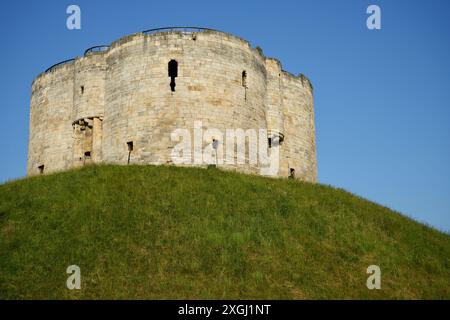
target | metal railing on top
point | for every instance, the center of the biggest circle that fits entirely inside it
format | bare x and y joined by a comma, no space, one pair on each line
150,31
96,49
181,29
59,64
92,49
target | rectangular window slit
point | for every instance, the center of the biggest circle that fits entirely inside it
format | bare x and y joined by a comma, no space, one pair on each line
292,173
173,73
130,145
130,148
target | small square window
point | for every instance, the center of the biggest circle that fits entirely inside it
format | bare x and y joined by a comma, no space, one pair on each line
292,173
130,145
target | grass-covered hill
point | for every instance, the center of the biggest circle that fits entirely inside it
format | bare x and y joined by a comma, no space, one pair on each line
176,233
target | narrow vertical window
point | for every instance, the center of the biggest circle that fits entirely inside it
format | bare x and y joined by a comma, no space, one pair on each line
244,79
82,89
41,169
244,83
130,148
269,142
173,73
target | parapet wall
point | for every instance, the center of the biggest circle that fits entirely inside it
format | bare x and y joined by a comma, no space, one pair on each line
94,108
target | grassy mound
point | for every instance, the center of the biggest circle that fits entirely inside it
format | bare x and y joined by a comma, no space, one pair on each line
178,233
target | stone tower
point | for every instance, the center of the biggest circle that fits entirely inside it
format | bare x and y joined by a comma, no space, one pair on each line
121,103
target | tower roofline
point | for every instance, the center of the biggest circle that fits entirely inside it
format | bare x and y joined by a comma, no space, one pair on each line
101,49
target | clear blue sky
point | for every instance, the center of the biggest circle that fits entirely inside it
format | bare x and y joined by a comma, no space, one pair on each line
382,98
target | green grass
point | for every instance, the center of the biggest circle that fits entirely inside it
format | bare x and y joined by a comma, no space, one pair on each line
176,233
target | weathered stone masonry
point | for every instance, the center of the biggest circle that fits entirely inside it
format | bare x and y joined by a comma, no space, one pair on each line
118,105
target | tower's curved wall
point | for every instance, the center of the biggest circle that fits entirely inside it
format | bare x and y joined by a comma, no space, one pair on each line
299,147
88,108
141,107
50,140
92,109
89,86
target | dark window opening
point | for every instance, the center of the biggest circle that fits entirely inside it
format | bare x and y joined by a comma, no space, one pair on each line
130,148
292,173
82,89
41,169
173,73
269,141
130,145
244,79
87,155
